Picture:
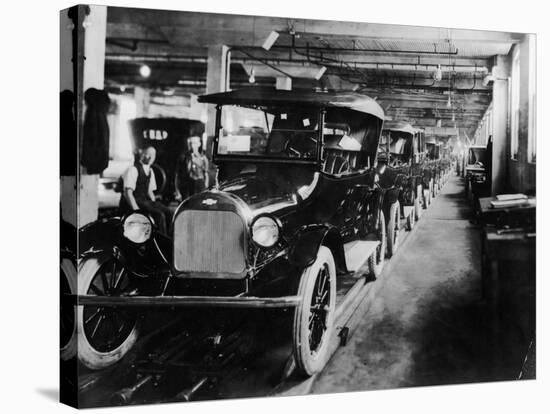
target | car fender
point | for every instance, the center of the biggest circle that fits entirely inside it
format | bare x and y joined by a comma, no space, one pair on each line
309,239
98,236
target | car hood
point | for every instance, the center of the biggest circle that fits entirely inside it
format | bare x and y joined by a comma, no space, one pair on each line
262,194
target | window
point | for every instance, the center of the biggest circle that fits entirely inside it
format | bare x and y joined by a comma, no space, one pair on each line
514,105
532,134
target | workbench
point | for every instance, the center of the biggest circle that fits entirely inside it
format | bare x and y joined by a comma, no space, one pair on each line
508,260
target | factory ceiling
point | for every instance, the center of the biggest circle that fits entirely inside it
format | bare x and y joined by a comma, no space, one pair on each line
397,65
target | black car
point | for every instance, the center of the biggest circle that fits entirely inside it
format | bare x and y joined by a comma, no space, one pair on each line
401,151
434,164
295,205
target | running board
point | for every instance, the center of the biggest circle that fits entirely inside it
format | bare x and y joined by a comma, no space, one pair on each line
187,301
358,252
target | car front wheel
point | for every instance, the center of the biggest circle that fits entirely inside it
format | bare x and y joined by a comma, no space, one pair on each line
314,317
105,334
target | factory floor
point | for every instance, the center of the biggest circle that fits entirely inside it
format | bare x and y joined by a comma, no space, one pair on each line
427,323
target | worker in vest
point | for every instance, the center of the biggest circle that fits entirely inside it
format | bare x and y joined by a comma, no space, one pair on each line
139,186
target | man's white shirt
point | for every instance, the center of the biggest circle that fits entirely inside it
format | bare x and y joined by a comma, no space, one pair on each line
131,175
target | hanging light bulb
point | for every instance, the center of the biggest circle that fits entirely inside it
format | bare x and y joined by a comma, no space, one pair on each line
438,74
252,79
145,71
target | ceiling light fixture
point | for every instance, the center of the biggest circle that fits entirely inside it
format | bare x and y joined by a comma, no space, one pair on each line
271,39
145,71
252,79
320,73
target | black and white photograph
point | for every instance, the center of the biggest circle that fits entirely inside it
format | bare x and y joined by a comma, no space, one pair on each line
258,206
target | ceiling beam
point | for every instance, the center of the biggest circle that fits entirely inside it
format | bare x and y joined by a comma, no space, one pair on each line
191,27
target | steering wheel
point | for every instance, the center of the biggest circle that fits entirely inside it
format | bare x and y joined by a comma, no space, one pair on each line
396,163
300,146
343,167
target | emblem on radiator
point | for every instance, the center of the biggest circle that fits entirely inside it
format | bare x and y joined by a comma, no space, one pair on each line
209,201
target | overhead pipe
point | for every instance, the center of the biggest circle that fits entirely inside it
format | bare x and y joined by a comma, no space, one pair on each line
151,58
132,42
265,62
347,49
275,61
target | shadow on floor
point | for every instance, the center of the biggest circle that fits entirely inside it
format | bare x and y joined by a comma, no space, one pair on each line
452,341
51,394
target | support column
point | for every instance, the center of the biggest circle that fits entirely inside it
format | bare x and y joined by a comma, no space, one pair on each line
217,80
500,124
95,30
142,98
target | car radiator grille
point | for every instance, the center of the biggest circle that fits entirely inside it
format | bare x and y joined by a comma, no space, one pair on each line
209,241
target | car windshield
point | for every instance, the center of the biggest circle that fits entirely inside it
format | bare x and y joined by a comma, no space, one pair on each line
269,132
399,145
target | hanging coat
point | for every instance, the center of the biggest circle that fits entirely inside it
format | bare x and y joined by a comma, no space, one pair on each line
95,142
68,136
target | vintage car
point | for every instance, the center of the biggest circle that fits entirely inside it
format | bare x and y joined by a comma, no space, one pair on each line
433,163
400,151
475,170
296,204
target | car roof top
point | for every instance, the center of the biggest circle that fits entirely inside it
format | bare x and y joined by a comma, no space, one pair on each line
260,95
400,126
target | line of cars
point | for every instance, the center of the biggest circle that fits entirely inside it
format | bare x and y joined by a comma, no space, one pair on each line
306,182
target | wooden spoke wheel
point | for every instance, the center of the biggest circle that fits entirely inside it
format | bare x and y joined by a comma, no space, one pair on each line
314,317
394,225
376,260
105,334
67,329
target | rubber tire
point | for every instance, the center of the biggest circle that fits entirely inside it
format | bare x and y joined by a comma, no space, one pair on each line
69,270
307,363
87,355
427,198
375,269
411,218
393,227
418,202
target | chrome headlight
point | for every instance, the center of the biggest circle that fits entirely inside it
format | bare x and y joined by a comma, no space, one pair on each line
265,231
137,228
